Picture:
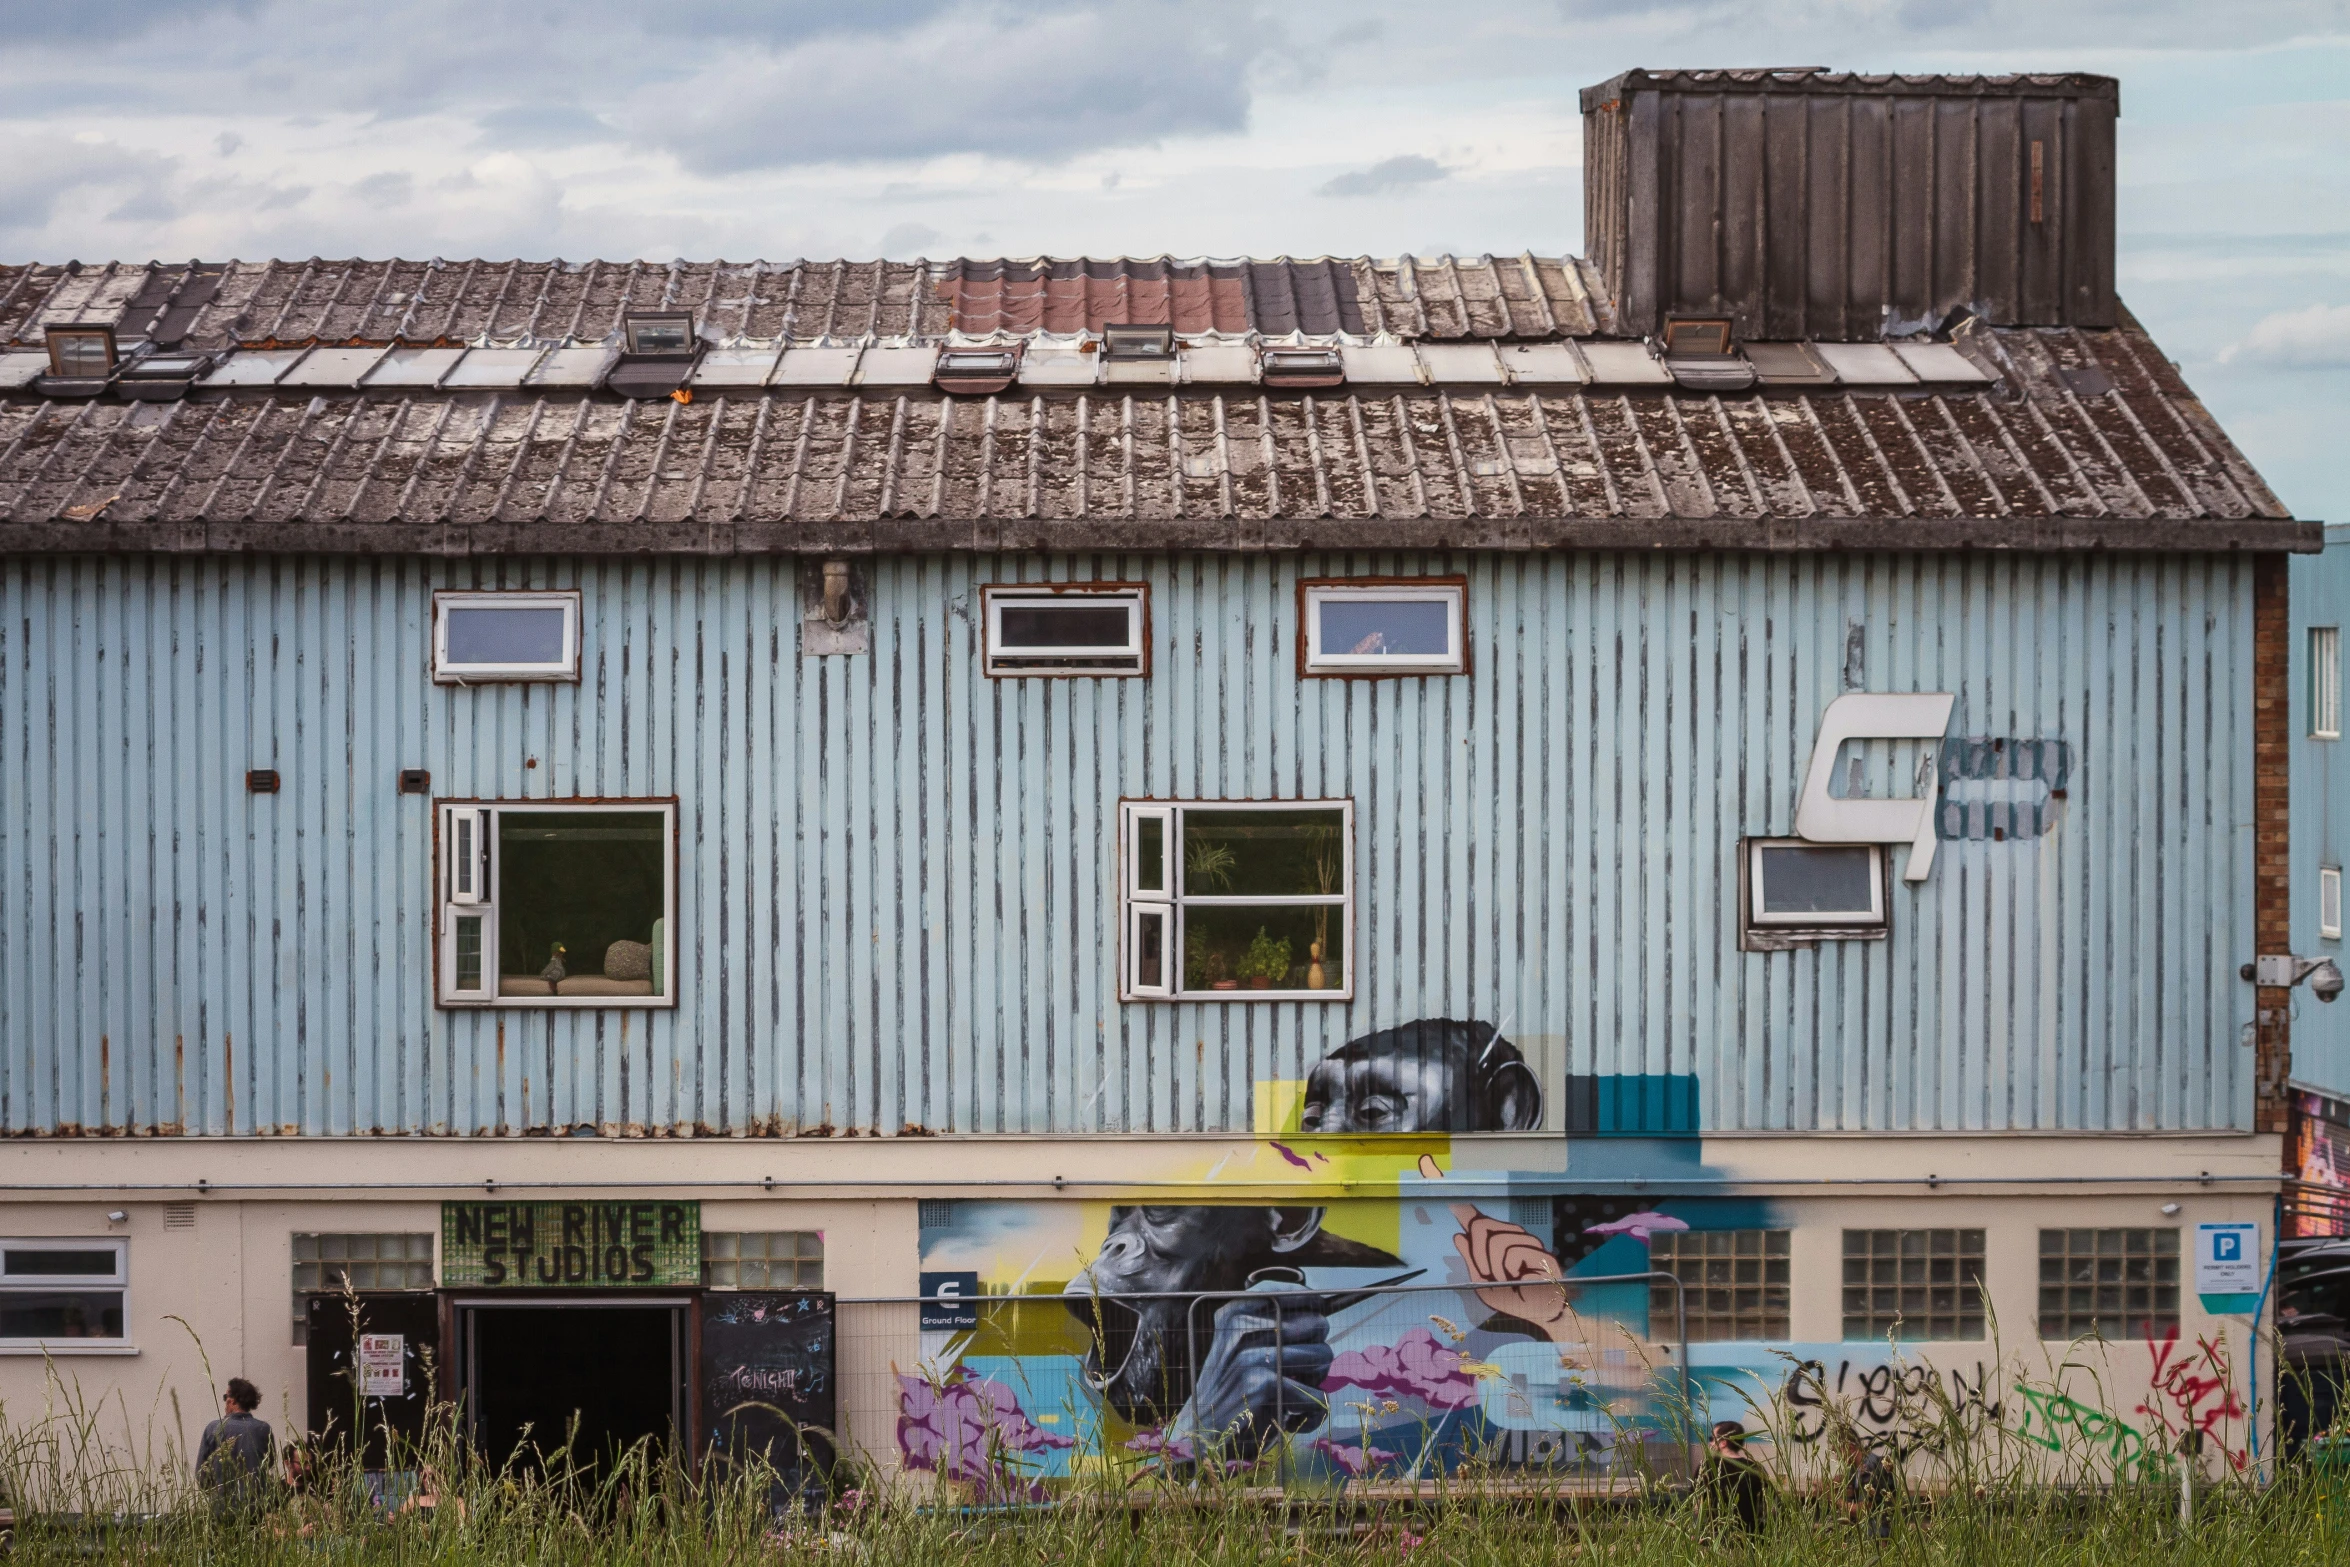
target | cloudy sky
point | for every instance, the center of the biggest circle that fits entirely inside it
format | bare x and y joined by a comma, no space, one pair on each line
783,128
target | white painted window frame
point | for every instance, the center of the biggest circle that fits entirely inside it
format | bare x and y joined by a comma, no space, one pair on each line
1070,660
2329,902
1453,595
457,897
1871,921
2325,682
38,1283
447,673
1171,901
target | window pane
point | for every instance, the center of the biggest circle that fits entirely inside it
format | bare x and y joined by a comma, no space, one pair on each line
1805,880
54,1264
1263,948
469,952
1074,624
579,896
60,1314
82,354
505,634
1150,854
1263,854
660,337
1150,950
1393,628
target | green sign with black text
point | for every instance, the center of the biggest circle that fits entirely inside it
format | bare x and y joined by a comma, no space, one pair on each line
570,1245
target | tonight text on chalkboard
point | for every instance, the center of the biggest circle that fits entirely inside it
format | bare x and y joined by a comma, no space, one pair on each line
556,1245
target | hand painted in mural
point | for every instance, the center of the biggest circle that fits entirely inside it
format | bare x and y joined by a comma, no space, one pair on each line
1520,1277
1143,1299
1434,1075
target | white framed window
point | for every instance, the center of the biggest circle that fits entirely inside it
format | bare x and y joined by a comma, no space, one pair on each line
2325,682
1237,900
1793,889
557,903
1073,628
1363,626
2329,902
63,1293
492,636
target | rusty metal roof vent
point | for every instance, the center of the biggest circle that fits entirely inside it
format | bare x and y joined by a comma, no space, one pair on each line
1841,208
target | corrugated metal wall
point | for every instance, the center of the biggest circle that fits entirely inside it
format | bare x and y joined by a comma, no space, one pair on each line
2321,812
895,873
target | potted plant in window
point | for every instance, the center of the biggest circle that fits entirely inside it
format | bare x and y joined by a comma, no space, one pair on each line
1265,961
1322,875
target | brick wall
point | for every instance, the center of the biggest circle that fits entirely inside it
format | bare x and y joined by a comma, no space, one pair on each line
2272,871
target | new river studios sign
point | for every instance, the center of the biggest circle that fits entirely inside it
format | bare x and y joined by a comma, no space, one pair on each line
570,1245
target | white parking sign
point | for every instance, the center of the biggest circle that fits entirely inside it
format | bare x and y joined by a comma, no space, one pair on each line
2227,1259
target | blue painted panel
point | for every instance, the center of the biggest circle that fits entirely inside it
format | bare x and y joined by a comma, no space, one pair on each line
895,906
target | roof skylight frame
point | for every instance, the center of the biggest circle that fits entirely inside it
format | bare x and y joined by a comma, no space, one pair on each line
1128,341
65,332
1696,337
642,334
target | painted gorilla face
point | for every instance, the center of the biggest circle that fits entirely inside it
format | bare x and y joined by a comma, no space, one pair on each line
1435,1075
1141,1359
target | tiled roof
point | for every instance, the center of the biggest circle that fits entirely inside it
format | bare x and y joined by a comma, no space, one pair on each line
2089,440
215,306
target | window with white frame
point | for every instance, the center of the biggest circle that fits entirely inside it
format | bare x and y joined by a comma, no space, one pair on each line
1070,628
62,1292
547,903
2325,682
495,636
1415,627
1796,890
2329,902
1238,900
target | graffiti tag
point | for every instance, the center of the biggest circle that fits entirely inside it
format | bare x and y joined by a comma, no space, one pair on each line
1898,1409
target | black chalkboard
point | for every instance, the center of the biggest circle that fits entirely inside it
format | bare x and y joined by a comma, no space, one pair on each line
768,1385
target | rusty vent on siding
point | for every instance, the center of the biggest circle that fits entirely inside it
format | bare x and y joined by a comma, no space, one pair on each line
179,1215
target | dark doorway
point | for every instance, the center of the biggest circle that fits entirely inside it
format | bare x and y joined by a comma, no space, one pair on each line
531,1370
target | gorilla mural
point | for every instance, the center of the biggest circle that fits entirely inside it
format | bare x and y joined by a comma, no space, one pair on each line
1260,1368
1435,1075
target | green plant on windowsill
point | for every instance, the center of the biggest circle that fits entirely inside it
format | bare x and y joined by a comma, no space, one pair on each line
1207,865
1266,960
1205,967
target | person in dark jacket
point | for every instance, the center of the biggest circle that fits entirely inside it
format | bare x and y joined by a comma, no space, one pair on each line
232,1460
1871,1487
1731,1488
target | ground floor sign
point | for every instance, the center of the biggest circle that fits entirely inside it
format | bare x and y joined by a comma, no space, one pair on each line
555,1245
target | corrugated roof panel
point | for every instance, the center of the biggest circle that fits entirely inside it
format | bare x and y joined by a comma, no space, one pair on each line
414,367
1059,367
19,369
736,366
253,367
1472,363
906,366
569,367
332,367
1865,364
1381,364
1533,364
492,369
1214,364
1623,364
828,366
1940,362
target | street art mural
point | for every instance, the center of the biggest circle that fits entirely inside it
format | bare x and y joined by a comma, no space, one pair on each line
1339,1336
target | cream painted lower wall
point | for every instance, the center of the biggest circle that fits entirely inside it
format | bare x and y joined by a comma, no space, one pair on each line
214,1299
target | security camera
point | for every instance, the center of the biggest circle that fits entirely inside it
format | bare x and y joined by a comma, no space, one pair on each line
115,1216
2282,970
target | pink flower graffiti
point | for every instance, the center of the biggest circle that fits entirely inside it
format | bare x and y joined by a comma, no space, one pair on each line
1416,1364
1349,1456
970,1428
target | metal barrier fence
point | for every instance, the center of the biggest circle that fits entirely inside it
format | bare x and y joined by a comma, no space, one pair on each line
1397,1381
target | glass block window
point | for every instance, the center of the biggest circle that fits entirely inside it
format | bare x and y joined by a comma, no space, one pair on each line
1735,1283
1913,1284
329,1263
2118,1285
762,1260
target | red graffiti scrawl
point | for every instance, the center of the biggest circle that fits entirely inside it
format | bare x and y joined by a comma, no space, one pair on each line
2192,1391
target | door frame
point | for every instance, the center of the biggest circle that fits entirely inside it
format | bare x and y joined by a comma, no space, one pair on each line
685,1347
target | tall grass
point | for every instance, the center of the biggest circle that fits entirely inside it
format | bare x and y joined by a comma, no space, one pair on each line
93,1482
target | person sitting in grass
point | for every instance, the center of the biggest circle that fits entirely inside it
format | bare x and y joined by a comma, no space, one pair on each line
1731,1489
232,1459
1870,1485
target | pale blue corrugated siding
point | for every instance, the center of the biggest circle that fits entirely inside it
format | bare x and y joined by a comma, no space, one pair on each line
895,873
2321,815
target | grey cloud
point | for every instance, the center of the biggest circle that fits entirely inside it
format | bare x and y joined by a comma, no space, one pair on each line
37,172
1042,86
538,125
393,188
227,143
2314,338
909,239
1388,174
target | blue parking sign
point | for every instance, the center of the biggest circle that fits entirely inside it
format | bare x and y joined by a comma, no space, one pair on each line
2227,1260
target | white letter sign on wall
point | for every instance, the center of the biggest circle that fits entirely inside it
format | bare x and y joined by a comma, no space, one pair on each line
1875,715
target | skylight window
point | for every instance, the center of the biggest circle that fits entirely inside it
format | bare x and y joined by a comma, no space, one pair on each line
1138,342
81,353
1705,336
660,334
